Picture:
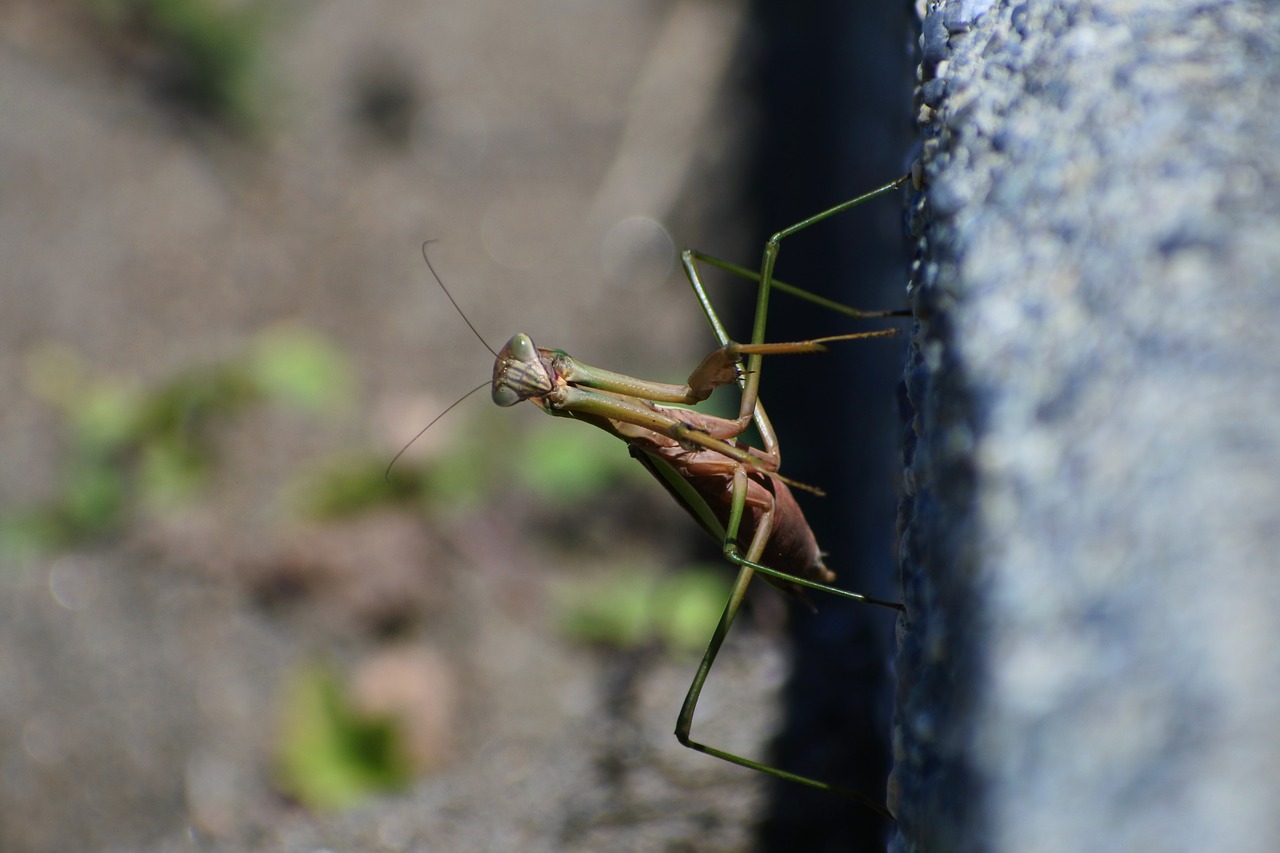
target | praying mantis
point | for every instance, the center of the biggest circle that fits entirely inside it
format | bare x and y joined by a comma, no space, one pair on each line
734,491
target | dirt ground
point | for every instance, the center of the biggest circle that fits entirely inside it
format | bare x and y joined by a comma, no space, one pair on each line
556,150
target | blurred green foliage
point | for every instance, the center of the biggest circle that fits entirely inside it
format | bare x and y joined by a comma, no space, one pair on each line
295,364
202,54
556,465
129,445
330,755
638,606
351,483
569,463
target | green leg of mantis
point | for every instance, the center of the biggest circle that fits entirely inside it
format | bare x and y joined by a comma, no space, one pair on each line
747,568
751,408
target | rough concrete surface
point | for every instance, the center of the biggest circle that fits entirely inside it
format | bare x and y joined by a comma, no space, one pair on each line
1092,661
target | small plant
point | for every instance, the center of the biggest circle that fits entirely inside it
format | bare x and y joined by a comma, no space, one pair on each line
330,755
201,54
129,446
636,607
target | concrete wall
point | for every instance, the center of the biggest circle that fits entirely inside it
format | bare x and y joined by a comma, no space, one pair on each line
1092,659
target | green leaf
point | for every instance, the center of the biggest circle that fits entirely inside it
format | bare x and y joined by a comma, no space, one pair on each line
570,463
95,497
632,607
329,755
302,366
346,485
105,416
688,605
204,53
612,610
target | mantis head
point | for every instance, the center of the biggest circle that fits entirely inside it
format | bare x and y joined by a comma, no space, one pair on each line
519,372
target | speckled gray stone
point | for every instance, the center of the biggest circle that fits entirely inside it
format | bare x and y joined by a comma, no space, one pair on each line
1091,540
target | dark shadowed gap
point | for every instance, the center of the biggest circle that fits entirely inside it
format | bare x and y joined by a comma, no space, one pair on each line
833,88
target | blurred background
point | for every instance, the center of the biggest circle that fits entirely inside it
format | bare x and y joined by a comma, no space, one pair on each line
221,627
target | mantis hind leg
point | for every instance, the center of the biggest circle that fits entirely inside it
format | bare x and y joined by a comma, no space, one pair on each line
750,408
747,567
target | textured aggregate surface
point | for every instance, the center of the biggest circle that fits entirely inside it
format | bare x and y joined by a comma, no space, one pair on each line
1090,553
